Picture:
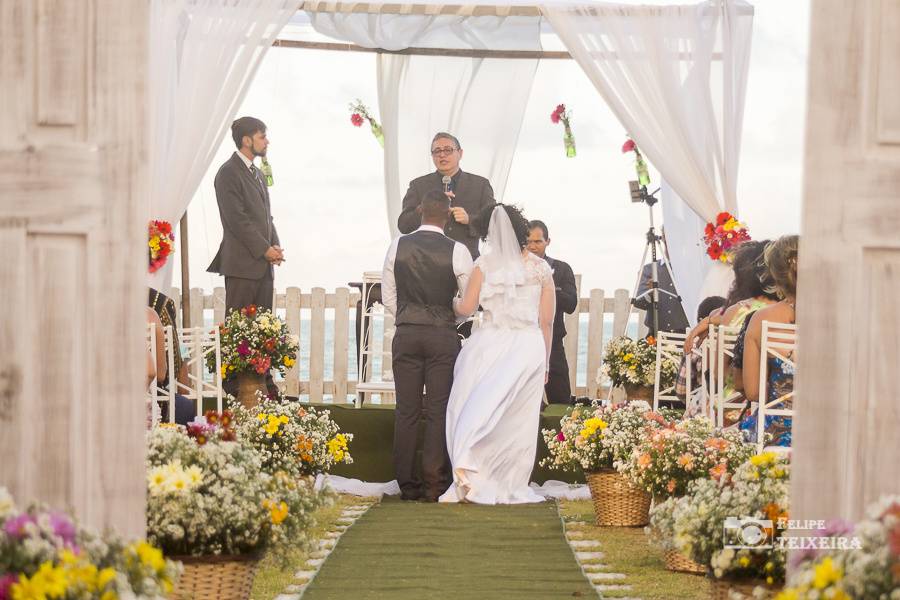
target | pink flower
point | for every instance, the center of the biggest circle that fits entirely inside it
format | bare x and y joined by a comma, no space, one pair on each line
554,117
560,437
628,146
6,582
356,119
560,108
243,348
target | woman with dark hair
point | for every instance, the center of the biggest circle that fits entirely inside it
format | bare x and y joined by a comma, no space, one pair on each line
494,409
752,289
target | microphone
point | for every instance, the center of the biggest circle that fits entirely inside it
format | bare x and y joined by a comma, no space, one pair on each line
446,179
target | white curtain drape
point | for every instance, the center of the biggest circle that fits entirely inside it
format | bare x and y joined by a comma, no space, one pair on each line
482,101
675,76
203,56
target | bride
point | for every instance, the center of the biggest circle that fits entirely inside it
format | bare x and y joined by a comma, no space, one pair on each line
498,382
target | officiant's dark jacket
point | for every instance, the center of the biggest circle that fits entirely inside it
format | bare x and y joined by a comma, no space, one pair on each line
473,193
566,296
247,227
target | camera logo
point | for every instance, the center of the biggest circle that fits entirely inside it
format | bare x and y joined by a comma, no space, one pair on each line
752,534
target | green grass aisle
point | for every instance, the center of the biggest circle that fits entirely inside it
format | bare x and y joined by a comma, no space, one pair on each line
413,551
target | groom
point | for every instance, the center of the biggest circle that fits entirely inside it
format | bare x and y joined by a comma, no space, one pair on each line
423,271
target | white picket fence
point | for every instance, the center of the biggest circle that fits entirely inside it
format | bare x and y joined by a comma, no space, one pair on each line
339,307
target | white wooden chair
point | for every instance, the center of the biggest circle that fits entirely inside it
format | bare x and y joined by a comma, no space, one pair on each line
697,393
669,346
367,350
779,341
201,342
724,349
157,393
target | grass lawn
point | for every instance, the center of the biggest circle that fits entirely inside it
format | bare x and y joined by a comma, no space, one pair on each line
274,575
626,551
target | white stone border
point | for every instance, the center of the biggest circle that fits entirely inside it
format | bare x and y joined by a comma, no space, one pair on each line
326,546
584,550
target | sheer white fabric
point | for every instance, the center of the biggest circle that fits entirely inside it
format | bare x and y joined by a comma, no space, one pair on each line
421,95
549,489
203,56
675,76
498,383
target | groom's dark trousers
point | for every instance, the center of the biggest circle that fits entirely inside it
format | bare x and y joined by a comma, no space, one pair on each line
423,356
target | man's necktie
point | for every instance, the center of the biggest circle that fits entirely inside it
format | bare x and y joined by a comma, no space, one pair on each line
257,177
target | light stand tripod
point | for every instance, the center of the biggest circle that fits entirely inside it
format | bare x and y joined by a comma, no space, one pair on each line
639,194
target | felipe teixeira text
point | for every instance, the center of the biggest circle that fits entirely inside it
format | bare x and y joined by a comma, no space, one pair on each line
802,542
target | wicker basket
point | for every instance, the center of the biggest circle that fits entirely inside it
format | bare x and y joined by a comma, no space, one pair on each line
227,577
617,503
676,561
722,589
248,385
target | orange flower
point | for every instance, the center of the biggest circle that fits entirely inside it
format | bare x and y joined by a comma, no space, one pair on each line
719,444
717,471
651,340
670,487
644,460
686,461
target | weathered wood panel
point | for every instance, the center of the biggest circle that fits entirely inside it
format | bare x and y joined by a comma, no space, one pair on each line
317,346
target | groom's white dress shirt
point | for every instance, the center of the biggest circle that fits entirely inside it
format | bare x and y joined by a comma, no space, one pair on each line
462,268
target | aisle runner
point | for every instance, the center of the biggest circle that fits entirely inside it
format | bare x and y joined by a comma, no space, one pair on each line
416,551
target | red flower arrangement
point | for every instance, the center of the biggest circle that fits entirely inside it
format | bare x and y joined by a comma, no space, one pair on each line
564,116
161,241
360,114
254,340
723,236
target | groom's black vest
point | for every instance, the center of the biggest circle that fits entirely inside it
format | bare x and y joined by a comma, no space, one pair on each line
426,282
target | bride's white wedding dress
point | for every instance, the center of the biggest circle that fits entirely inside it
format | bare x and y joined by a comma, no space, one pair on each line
494,409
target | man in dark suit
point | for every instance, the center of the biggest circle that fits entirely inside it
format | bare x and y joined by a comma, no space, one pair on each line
250,245
558,389
468,194
423,271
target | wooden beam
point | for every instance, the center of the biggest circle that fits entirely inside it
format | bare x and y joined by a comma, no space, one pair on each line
468,10
462,52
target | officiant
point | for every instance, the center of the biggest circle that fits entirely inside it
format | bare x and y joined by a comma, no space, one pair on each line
469,194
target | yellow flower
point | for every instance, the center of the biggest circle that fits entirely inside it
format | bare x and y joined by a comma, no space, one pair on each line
277,512
337,447
628,357
150,556
288,361
743,561
788,594
261,417
105,576
283,419
156,478
272,425
729,224
223,370
826,573
27,589
195,474
109,595
51,580
763,459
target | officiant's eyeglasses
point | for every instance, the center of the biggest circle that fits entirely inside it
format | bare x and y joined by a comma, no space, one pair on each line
445,151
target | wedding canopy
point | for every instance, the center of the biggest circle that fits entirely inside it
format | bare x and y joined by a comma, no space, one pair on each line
674,76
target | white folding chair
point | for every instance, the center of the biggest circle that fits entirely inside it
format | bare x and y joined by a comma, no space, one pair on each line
669,346
778,341
201,342
697,392
156,393
367,351
725,339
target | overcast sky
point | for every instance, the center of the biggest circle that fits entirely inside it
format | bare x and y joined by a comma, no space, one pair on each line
328,199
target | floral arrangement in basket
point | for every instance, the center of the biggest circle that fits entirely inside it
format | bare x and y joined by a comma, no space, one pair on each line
630,362
723,236
216,498
254,340
292,438
861,561
161,241
563,115
592,438
640,167
666,460
360,114
46,554
733,526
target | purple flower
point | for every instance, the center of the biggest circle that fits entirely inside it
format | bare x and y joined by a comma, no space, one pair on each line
63,528
5,583
15,527
837,527
243,348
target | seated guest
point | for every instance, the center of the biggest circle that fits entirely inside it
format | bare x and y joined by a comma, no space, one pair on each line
781,258
164,308
709,306
160,367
